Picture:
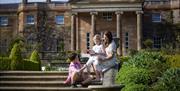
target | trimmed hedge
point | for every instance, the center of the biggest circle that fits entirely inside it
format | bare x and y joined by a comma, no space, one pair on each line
5,63
35,58
25,65
31,66
16,58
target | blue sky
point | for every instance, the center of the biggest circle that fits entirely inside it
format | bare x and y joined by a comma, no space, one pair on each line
17,1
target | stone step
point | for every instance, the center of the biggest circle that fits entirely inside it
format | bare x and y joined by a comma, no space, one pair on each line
33,73
42,89
33,78
32,84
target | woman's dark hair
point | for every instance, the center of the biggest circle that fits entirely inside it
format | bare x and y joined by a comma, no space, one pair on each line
108,34
72,56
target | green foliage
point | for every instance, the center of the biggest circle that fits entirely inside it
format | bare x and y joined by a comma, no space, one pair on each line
170,81
174,61
5,63
130,74
148,43
30,66
135,87
132,52
142,69
148,60
16,57
35,58
17,40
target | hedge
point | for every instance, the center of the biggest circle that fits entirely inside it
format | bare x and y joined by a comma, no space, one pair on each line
5,64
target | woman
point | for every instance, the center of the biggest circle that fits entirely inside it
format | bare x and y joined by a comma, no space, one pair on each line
110,48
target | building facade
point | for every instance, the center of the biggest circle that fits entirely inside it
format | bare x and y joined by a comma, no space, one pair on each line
38,23
71,25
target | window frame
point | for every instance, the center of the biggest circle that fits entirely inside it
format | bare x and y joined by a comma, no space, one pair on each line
88,40
59,19
156,18
4,21
30,19
127,40
157,42
108,16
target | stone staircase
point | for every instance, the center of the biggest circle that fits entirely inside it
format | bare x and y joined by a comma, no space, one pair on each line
35,81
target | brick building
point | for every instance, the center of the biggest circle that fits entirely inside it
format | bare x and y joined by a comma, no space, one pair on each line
74,23
37,22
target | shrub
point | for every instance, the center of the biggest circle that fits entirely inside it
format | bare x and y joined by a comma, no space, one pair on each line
148,60
170,81
17,40
174,61
35,58
143,68
5,63
130,74
135,87
30,65
16,57
148,43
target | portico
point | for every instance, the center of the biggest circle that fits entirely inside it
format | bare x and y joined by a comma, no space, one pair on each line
123,20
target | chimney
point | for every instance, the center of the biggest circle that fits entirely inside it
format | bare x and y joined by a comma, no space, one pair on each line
48,1
24,1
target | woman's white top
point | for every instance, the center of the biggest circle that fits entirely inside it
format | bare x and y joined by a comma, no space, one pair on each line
111,49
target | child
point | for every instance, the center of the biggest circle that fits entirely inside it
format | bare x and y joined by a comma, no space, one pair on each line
74,75
74,66
96,51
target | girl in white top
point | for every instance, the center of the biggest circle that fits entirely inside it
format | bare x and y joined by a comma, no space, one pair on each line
96,51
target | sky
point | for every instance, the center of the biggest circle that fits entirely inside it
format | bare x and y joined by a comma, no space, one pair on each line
17,1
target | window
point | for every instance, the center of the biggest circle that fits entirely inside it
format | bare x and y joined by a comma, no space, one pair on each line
157,42
126,40
156,17
88,40
59,19
3,20
107,16
30,19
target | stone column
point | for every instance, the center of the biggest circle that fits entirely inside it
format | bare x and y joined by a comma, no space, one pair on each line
93,23
119,31
73,32
139,29
77,33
